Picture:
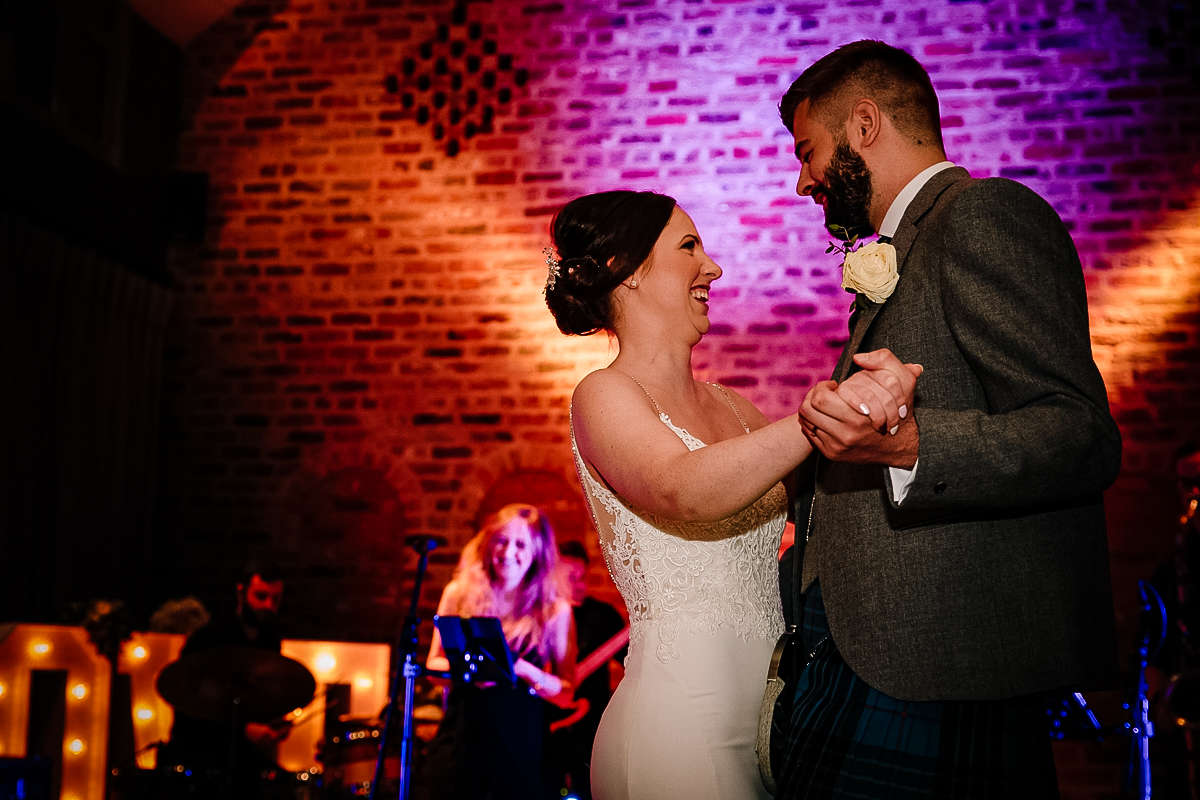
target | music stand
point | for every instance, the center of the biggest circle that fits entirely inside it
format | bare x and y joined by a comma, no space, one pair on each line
477,650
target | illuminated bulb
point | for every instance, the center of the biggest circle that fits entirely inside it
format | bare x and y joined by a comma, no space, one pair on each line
76,747
41,648
3,689
364,683
79,691
144,714
325,662
140,652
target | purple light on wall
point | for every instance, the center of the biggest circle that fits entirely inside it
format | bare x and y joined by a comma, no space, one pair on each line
682,100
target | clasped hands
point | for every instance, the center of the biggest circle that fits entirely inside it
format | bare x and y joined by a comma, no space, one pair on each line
867,419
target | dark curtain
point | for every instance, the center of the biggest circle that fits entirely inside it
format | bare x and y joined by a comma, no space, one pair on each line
81,340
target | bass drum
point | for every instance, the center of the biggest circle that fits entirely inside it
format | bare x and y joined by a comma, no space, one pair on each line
348,757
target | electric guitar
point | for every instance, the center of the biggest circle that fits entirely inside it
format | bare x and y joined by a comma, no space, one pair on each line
583,670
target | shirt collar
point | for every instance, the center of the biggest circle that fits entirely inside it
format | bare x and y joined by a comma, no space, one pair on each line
895,213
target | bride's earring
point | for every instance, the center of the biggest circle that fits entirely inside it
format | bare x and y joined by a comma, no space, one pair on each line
633,284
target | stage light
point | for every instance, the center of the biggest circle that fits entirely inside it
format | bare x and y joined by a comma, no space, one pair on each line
140,652
325,662
40,648
76,747
79,691
363,682
144,714
3,689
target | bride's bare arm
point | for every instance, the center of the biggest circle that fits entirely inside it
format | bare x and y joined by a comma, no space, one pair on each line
621,437
622,440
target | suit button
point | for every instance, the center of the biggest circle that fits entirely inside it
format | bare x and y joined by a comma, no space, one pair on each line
939,487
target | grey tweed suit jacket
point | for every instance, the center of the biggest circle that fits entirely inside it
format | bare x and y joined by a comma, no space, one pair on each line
991,578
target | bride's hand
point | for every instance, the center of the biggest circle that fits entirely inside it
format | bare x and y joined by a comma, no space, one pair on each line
882,390
834,420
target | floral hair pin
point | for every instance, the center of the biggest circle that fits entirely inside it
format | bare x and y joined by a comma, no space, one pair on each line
555,266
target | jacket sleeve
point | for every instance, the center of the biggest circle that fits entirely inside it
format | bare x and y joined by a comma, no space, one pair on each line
1015,306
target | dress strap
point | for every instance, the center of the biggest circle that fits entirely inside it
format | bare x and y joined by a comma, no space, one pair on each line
643,388
732,404
717,386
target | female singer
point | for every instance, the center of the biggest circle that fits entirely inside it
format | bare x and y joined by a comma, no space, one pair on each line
491,738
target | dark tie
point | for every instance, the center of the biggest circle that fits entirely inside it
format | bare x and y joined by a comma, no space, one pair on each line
884,240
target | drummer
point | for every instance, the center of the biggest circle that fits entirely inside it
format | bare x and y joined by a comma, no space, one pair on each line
250,622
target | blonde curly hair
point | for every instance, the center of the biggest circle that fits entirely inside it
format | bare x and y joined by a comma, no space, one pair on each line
537,595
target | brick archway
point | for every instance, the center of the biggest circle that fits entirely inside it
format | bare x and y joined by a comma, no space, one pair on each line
546,489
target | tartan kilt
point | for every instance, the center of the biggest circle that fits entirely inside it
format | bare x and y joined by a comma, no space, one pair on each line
848,740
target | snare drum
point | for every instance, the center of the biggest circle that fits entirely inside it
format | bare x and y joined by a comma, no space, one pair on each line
349,756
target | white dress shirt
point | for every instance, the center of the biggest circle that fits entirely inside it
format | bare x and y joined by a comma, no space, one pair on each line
902,479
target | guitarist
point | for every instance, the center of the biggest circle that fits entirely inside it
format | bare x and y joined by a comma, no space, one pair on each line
596,622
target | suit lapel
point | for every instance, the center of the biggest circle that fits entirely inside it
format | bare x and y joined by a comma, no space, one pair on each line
860,320
906,233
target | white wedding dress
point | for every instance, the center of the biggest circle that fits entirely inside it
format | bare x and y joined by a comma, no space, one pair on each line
704,615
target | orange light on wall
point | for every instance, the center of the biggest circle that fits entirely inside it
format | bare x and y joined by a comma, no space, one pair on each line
363,666
142,658
24,648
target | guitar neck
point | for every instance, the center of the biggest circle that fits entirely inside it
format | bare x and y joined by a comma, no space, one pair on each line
601,655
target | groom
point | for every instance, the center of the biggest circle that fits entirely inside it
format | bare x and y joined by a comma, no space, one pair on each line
956,568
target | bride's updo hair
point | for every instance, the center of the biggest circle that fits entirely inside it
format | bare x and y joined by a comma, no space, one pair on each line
590,231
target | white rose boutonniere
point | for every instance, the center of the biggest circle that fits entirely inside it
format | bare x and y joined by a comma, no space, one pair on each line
869,270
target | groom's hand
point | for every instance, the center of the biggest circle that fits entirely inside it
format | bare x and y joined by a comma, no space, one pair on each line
867,419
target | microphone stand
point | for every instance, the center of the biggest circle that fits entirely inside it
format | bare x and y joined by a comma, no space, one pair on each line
408,669
1152,628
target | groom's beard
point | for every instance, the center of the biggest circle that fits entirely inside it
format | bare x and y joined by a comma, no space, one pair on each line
260,620
848,191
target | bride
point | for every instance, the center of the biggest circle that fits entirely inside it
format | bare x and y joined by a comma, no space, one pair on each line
683,480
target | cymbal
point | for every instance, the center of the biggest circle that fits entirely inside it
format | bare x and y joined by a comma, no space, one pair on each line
253,685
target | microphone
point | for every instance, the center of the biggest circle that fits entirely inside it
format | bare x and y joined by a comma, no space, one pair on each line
425,542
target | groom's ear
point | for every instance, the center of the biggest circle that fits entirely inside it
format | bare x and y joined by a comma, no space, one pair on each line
866,123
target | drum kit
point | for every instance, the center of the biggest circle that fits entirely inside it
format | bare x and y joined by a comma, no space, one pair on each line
237,685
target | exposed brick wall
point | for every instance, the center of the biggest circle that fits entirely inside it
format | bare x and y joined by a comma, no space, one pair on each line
361,348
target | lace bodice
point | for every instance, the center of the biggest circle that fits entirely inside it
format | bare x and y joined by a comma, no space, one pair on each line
698,577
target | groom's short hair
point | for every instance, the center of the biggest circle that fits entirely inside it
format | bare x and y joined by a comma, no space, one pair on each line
891,77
